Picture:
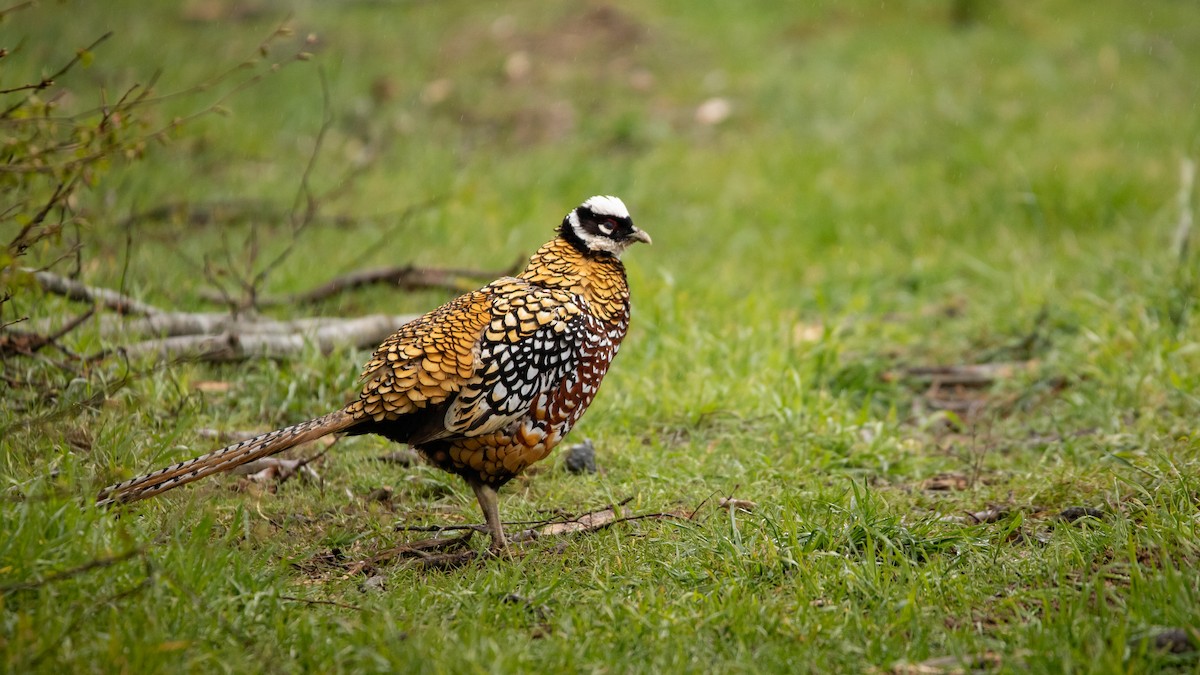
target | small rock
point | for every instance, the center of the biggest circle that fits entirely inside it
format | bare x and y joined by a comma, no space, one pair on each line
380,494
517,66
581,458
384,88
539,612
1074,513
1172,640
713,111
373,584
946,481
504,27
641,80
437,91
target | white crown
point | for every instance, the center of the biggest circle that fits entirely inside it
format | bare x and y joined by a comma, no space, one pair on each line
604,205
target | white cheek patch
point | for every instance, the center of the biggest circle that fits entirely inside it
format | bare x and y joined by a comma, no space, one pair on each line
601,205
595,243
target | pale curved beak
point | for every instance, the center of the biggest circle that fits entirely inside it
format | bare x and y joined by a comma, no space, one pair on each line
641,235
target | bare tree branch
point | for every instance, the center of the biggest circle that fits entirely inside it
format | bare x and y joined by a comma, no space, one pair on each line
74,290
49,81
301,218
9,10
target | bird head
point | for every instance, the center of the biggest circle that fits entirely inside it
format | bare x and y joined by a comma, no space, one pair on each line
602,224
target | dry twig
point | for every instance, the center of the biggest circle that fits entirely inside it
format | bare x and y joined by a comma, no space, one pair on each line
309,601
99,563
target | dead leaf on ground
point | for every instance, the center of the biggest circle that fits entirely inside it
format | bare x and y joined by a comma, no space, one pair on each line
741,504
988,515
806,333
275,470
595,520
950,665
587,522
965,375
270,467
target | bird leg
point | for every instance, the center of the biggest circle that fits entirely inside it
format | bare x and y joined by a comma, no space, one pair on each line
489,502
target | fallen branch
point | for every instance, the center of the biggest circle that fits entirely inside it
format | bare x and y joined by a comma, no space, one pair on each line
26,343
266,339
417,550
207,336
74,290
185,324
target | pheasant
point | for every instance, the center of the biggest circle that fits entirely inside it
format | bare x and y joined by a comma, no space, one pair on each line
484,385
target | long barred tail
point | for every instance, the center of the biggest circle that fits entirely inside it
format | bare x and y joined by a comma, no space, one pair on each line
224,459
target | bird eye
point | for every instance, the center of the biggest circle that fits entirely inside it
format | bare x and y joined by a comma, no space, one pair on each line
608,226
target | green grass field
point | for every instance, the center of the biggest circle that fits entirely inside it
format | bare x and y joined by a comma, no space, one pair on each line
891,190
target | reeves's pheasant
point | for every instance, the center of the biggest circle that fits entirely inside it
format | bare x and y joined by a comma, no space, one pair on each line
486,384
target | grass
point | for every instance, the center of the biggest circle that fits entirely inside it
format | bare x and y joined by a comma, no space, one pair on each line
889,191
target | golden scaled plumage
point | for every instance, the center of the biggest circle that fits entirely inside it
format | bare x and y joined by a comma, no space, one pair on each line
434,357
426,361
599,280
486,384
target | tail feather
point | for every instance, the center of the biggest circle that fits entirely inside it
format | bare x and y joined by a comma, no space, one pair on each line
225,459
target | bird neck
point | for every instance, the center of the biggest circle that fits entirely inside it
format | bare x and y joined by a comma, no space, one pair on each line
598,278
